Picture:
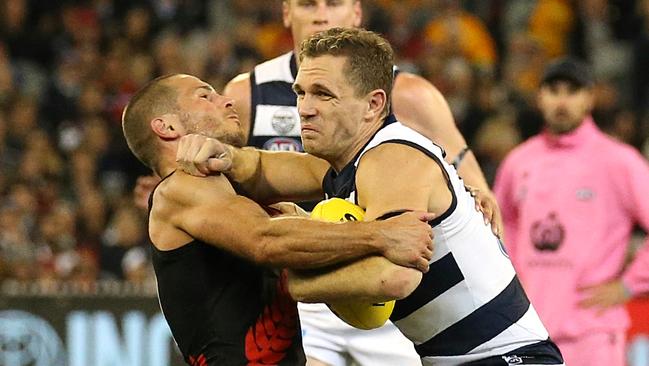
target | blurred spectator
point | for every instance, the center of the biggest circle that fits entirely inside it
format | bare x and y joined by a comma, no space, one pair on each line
598,41
523,64
640,76
550,23
18,251
125,231
6,75
497,136
456,32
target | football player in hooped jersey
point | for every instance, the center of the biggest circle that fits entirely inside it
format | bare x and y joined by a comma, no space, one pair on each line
470,307
266,105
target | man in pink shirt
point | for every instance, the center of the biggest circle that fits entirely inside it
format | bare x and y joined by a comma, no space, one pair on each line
570,198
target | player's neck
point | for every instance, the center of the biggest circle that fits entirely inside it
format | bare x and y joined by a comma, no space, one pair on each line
165,166
363,137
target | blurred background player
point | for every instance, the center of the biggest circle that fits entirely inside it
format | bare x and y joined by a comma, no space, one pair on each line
570,198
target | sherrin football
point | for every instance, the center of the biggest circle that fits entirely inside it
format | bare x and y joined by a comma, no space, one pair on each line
360,315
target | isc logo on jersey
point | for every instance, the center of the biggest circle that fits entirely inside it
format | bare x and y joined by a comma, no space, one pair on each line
283,144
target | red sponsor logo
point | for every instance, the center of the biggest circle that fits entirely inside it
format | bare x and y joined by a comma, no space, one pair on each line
269,339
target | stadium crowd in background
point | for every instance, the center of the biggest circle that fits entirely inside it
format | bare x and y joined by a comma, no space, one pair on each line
67,69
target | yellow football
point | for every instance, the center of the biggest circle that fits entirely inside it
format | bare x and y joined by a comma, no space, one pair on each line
337,209
360,315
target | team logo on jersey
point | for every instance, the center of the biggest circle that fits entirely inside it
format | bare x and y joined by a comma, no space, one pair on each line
585,194
547,234
283,120
282,144
27,340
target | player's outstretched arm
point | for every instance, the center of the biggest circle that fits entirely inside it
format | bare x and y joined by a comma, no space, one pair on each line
371,280
266,176
187,207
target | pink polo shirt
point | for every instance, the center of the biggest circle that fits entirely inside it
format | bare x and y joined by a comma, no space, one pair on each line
569,204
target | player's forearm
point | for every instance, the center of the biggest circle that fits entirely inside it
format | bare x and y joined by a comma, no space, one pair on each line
302,243
373,279
271,176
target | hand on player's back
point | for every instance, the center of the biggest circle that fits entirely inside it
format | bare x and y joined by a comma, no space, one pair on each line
485,202
410,241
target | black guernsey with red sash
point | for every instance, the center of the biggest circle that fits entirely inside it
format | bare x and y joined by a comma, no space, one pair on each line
225,310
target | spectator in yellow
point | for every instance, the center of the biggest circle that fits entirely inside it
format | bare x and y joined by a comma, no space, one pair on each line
551,22
457,32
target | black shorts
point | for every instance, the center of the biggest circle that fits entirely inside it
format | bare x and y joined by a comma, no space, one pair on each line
542,353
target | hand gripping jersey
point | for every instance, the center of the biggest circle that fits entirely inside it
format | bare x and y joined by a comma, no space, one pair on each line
470,305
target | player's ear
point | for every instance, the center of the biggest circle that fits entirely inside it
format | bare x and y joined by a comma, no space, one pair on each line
376,102
167,126
358,13
286,13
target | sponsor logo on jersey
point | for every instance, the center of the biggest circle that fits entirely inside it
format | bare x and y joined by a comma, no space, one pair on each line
585,194
283,144
283,120
547,234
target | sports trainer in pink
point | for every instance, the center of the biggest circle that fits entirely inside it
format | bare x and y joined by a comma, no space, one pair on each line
570,198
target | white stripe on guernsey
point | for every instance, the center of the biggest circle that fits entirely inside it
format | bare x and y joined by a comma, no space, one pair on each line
474,291
477,252
277,69
439,314
286,118
399,131
526,330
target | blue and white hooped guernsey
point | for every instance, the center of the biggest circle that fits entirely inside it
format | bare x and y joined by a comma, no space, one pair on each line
470,305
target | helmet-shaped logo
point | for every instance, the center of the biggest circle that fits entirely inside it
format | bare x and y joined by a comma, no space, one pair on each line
284,120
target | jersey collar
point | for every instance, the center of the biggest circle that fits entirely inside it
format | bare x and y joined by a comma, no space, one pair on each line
578,137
